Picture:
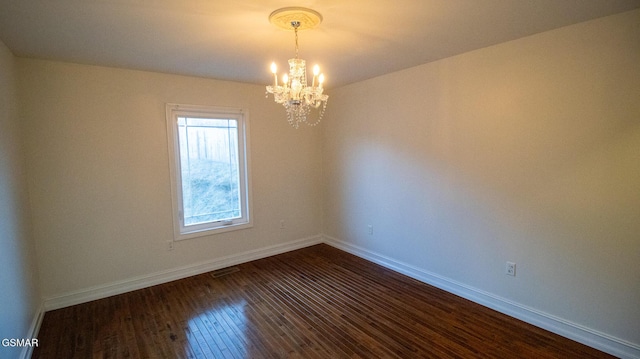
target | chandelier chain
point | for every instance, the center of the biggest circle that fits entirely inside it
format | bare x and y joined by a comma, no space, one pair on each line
296,25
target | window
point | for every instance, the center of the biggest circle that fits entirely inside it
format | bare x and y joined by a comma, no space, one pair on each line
208,151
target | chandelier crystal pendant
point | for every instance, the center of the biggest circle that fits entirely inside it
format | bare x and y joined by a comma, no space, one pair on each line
294,93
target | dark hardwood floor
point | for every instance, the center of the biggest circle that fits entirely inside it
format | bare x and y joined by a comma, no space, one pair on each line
317,302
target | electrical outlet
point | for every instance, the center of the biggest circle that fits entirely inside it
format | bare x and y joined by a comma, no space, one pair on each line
282,226
510,269
169,245
370,229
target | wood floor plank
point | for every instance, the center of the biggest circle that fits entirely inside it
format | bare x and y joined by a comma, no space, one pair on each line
317,302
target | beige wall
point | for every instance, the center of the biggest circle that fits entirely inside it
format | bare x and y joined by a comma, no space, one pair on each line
19,296
99,173
528,151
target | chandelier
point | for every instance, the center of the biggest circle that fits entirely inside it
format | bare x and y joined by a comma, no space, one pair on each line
293,92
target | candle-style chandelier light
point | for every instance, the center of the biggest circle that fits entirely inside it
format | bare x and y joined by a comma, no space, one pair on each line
293,92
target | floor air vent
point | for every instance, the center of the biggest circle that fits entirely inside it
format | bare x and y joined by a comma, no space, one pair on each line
224,271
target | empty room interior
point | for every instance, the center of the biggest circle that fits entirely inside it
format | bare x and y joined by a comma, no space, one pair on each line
455,154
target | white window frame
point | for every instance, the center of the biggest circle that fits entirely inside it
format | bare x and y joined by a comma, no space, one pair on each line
173,111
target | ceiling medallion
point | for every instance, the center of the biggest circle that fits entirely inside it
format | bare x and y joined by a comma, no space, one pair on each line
307,18
293,93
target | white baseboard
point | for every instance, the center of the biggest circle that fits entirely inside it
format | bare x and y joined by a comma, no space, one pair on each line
593,338
33,332
127,285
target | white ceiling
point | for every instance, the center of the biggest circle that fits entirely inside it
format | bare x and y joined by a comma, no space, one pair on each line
233,39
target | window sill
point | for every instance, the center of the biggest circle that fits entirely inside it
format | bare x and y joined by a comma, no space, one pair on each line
211,232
